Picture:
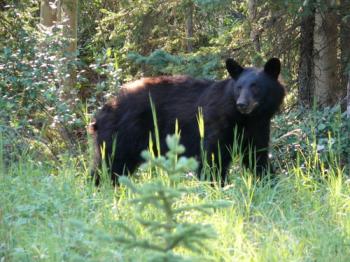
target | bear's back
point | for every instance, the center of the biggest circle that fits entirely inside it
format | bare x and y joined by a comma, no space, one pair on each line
164,88
174,97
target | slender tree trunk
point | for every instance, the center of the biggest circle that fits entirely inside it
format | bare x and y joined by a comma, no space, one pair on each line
67,16
189,26
344,42
254,30
144,39
348,114
325,58
306,67
348,97
48,13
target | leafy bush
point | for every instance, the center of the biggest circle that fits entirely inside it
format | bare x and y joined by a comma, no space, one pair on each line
303,133
34,116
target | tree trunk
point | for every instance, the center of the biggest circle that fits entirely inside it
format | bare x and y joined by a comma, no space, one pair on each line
254,30
348,114
67,16
48,13
189,27
344,42
325,58
306,67
348,97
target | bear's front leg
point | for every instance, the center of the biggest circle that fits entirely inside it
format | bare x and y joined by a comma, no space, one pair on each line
256,149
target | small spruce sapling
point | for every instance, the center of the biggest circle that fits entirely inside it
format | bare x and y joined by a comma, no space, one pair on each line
168,231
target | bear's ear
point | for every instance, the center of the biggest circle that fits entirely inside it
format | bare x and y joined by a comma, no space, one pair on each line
233,68
273,67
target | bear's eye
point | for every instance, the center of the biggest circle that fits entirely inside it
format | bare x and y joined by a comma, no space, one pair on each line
255,89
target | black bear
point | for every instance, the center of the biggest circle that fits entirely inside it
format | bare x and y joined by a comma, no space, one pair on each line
245,102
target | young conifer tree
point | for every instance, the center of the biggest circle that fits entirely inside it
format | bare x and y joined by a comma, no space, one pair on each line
169,230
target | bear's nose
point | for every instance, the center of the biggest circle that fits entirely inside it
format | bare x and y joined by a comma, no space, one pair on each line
242,106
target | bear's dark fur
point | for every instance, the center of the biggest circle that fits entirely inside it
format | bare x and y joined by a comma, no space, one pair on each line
246,101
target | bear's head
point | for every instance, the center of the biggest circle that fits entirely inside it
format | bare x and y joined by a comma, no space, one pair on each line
256,90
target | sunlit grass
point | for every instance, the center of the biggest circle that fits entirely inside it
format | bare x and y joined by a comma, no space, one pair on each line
303,216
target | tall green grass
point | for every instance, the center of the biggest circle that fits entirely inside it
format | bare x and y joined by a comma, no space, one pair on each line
304,215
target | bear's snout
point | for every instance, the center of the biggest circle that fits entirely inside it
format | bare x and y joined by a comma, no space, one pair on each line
242,106
246,102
